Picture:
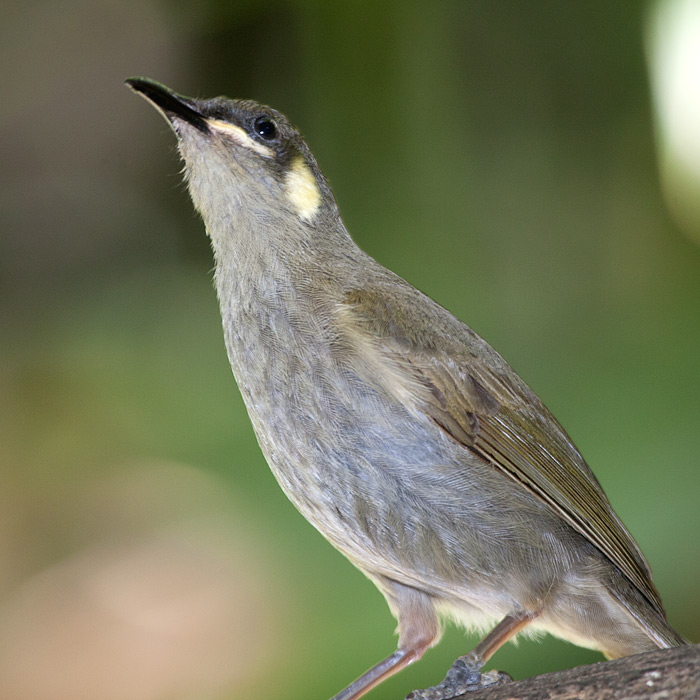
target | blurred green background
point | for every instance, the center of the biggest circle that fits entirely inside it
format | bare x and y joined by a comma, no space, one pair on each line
505,157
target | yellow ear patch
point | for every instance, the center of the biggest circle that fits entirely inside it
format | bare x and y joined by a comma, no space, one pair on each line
302,190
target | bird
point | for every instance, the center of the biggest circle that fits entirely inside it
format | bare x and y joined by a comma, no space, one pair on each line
394,428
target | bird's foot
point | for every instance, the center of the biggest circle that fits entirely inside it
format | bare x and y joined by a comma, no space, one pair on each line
464,676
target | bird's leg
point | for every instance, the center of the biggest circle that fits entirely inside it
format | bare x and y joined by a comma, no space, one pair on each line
419,627
375,675
465,673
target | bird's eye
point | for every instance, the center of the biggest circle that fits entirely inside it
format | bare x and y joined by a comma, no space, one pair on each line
265,127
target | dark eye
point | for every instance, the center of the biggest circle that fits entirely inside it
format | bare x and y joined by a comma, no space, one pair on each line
265,127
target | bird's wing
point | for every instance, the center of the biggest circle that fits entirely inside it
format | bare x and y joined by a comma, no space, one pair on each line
467,389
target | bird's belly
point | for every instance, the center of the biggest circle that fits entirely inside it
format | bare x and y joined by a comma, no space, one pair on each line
389,489
406,502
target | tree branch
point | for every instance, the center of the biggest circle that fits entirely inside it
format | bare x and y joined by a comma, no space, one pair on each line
668,674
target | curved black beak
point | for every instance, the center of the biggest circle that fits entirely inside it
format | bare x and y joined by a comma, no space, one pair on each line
168,102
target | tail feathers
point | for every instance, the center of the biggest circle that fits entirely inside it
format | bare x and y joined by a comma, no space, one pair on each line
650,619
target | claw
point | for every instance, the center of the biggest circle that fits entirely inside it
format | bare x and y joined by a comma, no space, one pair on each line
460,679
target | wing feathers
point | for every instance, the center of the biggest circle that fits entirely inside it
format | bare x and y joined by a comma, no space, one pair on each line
475,397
